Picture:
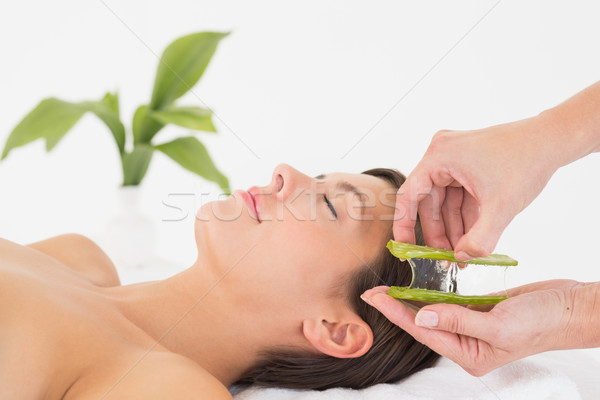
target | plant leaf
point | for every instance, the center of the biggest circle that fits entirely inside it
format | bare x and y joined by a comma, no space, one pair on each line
135,164
112,102
107,110
435,296
53,118
144,128
50,119
181,65
197,118
193,156
407,250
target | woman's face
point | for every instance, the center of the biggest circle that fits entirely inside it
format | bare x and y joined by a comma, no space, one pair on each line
298,238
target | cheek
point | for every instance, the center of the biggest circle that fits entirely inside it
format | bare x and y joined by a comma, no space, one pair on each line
296,249
302,240
312,256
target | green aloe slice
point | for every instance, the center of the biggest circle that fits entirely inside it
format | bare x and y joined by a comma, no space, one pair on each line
407,250
434,296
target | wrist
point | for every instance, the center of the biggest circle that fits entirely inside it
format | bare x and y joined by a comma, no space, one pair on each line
544,143
574,125
555,134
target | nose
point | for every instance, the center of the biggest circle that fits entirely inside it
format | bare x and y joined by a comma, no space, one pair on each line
287,181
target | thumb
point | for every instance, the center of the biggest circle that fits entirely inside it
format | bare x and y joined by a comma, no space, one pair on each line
483,236
455,319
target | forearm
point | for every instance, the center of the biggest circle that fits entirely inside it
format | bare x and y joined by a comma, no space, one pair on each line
572,128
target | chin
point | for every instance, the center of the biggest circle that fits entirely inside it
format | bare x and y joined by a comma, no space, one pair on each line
202,226
203,215
218,224
226,211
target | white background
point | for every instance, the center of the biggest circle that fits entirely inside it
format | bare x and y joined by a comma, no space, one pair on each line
321,85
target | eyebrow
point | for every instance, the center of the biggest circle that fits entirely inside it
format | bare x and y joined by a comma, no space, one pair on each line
346,186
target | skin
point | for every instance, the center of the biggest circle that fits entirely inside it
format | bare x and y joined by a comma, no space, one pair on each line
469,185
539,317
69,330
466,189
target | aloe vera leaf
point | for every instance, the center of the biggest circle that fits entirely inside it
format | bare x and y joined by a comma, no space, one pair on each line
435,296
407,250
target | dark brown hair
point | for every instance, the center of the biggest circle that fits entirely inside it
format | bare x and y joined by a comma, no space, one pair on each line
394,354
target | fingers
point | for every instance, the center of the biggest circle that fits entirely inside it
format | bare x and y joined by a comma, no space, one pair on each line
414,189
469,210
447,344
451,318
401,314
455,319
452,214
438,199
481,239
432,220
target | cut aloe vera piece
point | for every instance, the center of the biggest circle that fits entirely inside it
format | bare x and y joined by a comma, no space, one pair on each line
407,250
434,296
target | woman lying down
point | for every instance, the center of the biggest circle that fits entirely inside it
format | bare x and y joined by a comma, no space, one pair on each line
272,299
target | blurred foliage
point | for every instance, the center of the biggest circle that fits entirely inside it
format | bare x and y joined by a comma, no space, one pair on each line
181,66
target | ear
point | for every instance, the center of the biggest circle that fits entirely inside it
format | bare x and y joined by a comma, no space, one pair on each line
348,338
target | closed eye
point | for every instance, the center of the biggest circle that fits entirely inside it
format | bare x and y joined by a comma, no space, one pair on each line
330,206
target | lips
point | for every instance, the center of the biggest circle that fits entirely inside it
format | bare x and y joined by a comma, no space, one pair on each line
250,201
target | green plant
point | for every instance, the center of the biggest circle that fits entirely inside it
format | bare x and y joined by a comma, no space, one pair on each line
181,65
435,296
409,250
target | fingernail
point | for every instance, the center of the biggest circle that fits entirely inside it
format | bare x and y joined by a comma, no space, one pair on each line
428,319
462,256
366,299
374,299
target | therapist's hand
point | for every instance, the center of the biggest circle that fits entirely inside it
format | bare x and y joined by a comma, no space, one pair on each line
470,184
540,317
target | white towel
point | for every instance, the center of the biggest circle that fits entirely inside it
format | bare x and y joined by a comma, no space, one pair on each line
525,379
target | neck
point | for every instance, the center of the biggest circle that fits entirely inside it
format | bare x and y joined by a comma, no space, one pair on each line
191,314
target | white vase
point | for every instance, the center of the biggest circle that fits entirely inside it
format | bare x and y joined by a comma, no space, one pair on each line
130,236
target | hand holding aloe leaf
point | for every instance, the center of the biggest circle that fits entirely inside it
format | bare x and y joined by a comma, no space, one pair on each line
181,66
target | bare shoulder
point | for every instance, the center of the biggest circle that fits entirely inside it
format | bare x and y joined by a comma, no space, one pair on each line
82,255
169,376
